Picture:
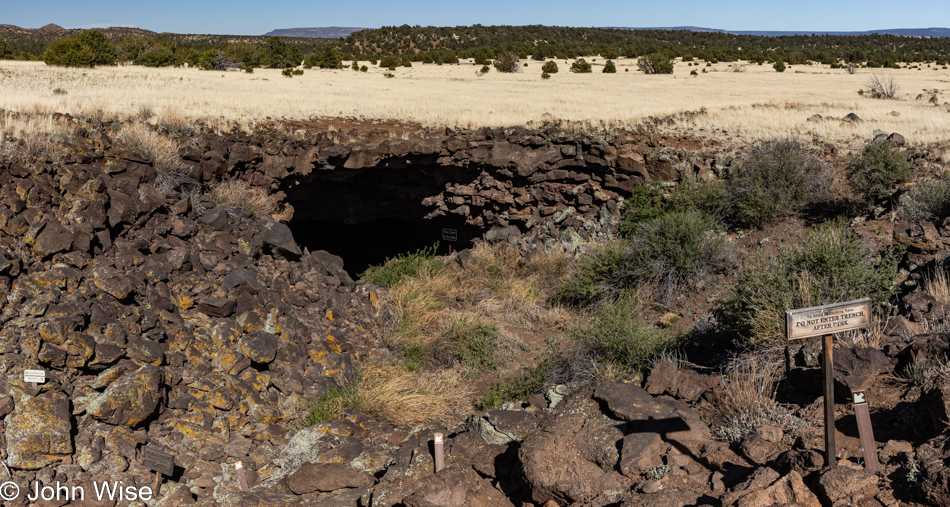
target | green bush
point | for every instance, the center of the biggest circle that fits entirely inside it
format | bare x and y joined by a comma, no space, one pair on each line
655,63
519,385
288,72
877,169
6,52
69,53
364,69
549,67
929,200
580,66
776,179
779,66
669,250
404,265
469,341
390,61
545,75
507,62
333,404
84,49
326,58
484,69
831,266
610,68
615,336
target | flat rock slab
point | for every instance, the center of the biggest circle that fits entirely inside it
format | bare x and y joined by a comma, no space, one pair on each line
325,477
38,431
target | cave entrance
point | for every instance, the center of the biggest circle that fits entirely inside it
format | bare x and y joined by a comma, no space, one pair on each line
365,244
368,215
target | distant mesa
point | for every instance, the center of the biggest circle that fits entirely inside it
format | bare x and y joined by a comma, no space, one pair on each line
320,32
905,32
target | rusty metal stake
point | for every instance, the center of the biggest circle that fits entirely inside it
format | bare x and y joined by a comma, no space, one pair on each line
242,478
865,431
439,458
828,367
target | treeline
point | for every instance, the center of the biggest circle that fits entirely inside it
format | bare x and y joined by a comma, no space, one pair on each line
165,49
405,45
481,42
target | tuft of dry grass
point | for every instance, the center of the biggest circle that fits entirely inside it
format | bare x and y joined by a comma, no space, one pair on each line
497,284
391,393
937,286
239,194
161,151
747,399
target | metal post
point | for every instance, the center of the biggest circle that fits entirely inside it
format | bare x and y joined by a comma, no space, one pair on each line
828,366
865,431
242,479
439,458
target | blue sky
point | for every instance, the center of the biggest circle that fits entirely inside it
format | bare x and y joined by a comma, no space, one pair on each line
247,17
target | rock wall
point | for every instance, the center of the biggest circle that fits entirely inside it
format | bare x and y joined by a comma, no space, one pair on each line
474,180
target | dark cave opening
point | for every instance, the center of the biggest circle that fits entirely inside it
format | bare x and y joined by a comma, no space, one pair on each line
366,216
365,244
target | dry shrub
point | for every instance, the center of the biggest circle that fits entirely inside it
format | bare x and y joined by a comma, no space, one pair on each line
937,286
239,194
161,151
390,393
747,398
882,87
173,118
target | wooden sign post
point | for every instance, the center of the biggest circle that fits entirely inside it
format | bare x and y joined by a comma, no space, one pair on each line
859,398
159,461
823,321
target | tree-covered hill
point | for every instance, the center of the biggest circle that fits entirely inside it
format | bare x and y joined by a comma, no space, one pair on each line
405,44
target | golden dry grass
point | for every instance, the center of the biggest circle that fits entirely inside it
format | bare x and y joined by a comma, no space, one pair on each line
755,104
239,194
497,285
937,286
399,397
747,396
156,148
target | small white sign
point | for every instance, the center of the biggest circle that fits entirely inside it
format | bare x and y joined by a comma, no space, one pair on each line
859,397
828,319
38,376
239,465
438,438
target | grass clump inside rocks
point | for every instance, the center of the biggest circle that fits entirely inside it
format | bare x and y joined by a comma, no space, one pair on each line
409,264
618,342
469,341
239,194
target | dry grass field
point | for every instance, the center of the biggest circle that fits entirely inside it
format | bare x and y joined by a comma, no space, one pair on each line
757,103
